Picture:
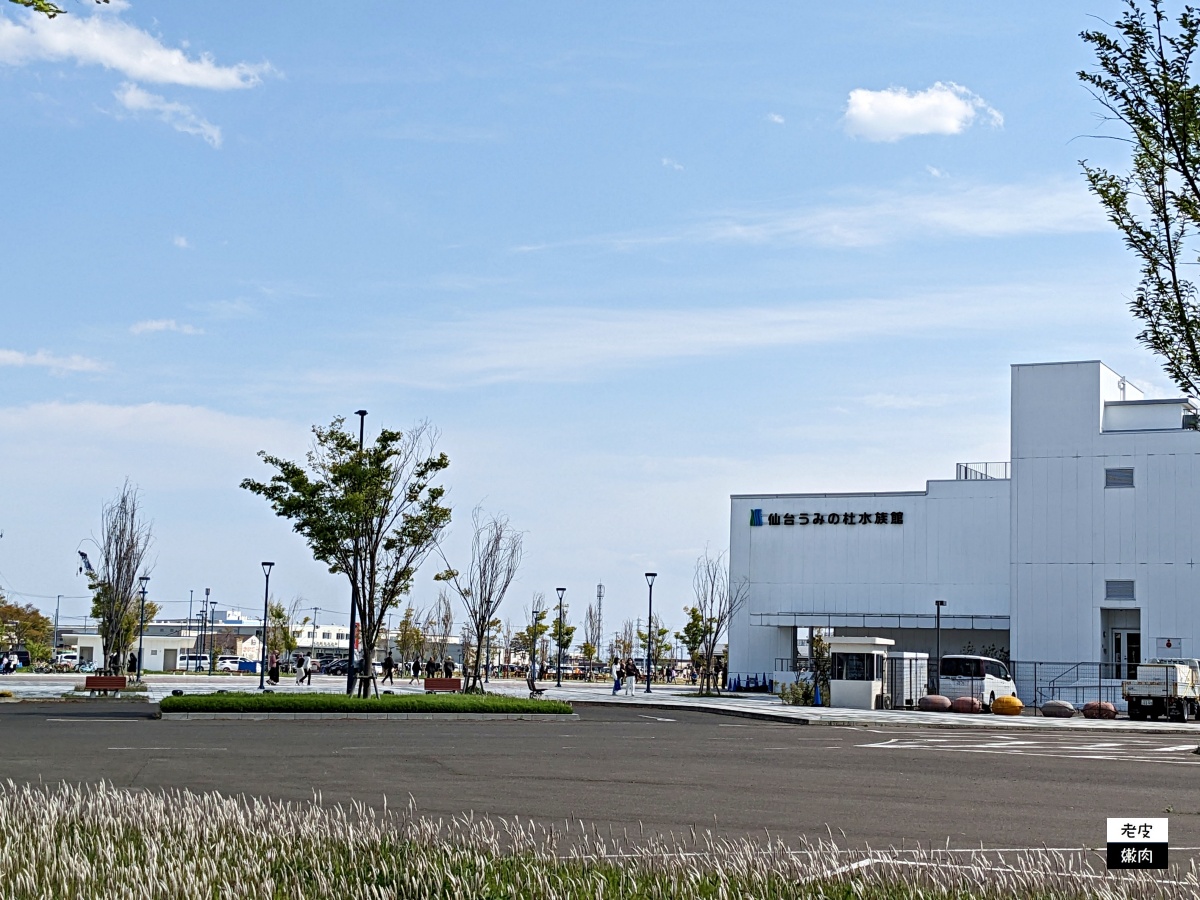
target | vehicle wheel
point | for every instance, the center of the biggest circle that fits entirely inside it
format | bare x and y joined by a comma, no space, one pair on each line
1135,714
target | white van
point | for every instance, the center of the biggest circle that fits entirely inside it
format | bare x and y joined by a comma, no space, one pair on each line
190,662
980,677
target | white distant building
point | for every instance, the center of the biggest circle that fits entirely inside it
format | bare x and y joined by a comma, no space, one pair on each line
1087,552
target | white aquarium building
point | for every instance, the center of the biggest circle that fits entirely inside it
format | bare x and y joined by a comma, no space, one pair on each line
1081,547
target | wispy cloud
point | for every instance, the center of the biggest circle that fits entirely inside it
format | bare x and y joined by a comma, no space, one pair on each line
181,242
945,208
776,118
669,163
905,401
56,364
104,40
895,113
152,326
554,344
179,116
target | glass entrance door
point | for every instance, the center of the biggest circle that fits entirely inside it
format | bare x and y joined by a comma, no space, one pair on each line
1126,653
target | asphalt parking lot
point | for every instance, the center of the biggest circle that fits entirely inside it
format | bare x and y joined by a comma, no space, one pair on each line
644,770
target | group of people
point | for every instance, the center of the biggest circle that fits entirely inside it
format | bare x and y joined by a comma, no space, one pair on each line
414,667
9,663
624,672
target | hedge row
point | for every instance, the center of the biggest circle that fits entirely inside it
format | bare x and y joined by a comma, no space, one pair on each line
337,703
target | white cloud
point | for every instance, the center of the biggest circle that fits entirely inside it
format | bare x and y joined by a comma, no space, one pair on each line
775,117
150,326
669,163
945,208
106,41
57,364
905,401
895,113
935,171
179,116
547,344
181,242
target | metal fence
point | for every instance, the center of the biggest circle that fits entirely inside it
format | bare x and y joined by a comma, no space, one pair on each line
906,680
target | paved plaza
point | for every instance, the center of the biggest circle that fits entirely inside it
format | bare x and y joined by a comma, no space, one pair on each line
665,696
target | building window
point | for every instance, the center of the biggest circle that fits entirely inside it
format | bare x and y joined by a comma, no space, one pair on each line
853,666
325,636
1118,478
1118,591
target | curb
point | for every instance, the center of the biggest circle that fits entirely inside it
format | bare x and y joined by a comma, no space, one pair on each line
978,722
422,717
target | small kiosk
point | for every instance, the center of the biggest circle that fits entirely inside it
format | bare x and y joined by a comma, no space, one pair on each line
858,666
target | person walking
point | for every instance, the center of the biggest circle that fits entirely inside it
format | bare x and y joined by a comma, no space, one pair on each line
389,665
306,672
430,668
631,676
273,668
133,666
414,669
616,669
448,667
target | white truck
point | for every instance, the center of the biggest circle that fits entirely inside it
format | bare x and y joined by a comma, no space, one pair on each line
1164,687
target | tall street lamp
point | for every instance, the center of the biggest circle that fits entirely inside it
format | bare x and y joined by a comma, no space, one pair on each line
938,604
650,576
141,624
262,666
561,591
212,636
203,629
351,675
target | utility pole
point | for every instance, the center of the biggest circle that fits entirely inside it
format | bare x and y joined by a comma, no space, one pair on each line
57,604
314,637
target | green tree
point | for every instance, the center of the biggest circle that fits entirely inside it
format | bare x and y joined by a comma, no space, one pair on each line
692,636
281,628
662,648
1143,80
22,625
562,632
529,637
373,515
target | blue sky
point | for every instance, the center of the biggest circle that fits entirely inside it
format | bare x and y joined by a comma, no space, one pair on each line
629,258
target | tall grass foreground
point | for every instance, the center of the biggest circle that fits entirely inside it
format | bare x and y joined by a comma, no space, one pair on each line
98,841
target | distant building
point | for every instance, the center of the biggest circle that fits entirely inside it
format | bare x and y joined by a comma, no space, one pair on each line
1081,547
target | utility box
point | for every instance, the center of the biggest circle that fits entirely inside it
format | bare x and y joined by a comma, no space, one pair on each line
858,667
907,678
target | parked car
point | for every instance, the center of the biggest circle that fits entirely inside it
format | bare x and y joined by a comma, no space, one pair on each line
980,677
191,662
336,667
230,663
69,658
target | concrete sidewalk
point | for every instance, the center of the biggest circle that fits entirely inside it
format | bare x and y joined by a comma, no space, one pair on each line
663,697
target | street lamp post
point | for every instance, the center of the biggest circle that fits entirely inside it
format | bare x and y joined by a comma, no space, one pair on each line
558,640
650,576
203,629
351,675
262,666
141,624
938,604
212,636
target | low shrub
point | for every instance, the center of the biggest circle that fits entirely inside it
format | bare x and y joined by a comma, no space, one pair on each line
339,703
798,693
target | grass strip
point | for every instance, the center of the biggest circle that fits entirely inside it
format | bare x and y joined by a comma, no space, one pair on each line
340,703
99,841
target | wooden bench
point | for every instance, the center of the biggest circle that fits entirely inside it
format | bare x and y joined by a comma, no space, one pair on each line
443,685
105,683
535,692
